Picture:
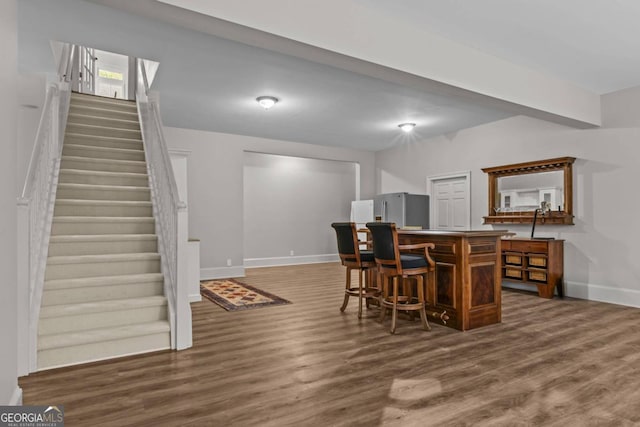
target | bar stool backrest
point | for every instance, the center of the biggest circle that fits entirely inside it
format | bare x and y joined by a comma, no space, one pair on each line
385,243
347,241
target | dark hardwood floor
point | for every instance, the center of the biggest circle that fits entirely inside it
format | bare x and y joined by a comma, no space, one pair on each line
549,363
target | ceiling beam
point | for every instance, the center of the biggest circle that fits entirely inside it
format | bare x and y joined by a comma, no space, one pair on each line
349,35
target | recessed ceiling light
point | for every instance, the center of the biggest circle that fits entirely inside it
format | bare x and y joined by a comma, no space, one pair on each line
267,102
407,127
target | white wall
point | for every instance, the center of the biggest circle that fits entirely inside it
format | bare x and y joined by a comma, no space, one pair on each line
289,203
601,249
9,391
216,188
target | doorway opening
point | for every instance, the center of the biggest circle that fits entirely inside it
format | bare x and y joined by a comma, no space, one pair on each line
112,74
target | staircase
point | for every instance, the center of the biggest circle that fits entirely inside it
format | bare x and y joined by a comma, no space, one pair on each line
103,294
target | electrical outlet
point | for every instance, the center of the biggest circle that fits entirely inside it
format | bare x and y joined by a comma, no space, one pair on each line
229,262
291,253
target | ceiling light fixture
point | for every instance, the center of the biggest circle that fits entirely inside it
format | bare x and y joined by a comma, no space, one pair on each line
407,127
267,102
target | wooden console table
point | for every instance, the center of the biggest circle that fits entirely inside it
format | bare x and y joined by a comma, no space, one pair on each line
534,261
468,275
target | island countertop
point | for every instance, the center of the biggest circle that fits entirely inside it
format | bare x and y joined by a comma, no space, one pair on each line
461,233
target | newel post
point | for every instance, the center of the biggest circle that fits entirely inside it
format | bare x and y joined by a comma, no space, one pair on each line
183,308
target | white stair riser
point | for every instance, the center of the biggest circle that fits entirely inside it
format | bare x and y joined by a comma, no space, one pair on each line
103,131
102,111
101,293
107,319
99,153
102,248
90,269
103,121
97,179
100,194
79,101
101,210
102,350
105,166
64,228
102,141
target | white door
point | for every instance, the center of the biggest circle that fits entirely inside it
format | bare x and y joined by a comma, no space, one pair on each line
450,202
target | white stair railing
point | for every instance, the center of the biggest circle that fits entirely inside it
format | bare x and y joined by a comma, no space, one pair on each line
35,213
170,213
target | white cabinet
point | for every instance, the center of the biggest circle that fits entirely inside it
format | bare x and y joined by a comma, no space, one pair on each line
529,199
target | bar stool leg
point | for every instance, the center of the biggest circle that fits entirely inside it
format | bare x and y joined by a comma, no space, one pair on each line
346,292
422,300
368,284
394,313
360,290
383,296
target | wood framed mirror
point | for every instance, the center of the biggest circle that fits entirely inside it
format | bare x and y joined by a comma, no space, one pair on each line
517,191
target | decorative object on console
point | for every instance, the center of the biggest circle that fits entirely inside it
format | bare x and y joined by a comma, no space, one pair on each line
519,191
544,207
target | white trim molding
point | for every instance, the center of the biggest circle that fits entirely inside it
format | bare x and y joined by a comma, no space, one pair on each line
16,397
221,272
592,292
290,260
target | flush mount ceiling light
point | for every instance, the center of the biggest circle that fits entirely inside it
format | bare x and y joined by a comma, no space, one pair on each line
267,102
407,127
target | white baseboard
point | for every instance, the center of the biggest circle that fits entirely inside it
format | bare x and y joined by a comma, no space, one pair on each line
290,260
221,272
195,298
591,292
16,397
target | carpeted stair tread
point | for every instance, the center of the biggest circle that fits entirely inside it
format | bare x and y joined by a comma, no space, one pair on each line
102,173
47,342
132,141
84,128
85,259
113,219
104,149
116,123
101,187
99,281
108,161
70,238
84,97
104,109
103,208
75,309
103,202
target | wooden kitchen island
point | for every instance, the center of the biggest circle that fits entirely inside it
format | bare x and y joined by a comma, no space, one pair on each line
468,275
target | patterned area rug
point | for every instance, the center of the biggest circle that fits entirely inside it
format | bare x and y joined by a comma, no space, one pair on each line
233,296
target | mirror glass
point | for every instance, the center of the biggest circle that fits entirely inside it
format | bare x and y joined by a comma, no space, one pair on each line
524,193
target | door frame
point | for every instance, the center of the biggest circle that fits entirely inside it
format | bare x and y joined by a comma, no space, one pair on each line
467,179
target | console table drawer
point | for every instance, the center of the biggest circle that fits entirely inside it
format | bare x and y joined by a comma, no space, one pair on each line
529,246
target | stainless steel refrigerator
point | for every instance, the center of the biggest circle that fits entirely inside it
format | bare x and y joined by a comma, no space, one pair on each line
406,210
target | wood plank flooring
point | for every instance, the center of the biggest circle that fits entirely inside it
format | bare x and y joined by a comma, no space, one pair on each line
549,363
